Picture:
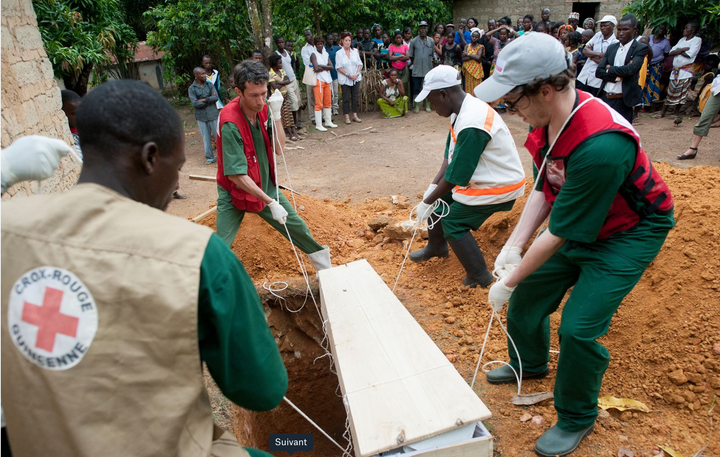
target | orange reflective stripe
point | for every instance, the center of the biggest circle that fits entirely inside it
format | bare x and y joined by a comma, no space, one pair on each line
489,119
452,132
488,191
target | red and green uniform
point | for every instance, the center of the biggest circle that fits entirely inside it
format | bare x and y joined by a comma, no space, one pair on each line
599,262
233,159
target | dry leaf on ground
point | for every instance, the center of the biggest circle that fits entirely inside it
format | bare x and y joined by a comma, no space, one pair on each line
622,404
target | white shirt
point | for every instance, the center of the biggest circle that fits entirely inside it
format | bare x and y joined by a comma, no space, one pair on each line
616,87
287,65
215,75
306,52
715,86
349,66
599,44
323,59
680,60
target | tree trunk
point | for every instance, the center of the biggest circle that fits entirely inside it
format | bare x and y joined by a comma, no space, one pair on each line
78,83
317,21
261,26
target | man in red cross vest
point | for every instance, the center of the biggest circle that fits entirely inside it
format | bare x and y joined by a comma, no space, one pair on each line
609,213
246,166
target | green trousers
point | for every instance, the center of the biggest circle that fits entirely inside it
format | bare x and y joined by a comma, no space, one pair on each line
229,219
463,218
601,275
399,109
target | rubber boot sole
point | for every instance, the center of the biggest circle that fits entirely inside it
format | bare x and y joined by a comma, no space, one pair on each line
540,375
422,257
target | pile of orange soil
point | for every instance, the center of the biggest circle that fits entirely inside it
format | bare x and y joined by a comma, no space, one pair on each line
664,341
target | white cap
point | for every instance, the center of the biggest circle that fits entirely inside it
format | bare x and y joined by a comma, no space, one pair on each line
533,55
609,18
440,77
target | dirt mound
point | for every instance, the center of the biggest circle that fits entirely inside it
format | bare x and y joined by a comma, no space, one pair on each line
664,341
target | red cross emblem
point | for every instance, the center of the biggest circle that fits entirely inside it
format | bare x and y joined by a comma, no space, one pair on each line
49,320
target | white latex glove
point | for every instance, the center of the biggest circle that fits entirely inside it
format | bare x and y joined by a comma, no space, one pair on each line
499,294
507,260
278,212
429,190
31,158
423,212
275,103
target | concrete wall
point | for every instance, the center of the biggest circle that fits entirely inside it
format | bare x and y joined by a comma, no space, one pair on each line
559,9
31,102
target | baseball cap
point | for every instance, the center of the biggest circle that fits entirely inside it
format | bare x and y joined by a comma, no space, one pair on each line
423,23
440,77
608,18
531,56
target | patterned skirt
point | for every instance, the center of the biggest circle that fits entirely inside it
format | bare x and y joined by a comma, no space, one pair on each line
287,117
651,92
677,91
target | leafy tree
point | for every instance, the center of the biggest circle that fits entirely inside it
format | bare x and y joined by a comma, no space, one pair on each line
187,29
676,13
81,36
133,14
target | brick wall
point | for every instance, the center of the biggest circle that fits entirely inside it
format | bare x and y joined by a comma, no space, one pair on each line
559,9
31,102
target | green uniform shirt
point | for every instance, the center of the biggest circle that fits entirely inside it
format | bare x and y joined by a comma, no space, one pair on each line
594,174
234,159
234,338
470,145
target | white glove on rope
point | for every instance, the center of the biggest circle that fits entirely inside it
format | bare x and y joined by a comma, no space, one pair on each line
278,212
275,103
507,260
31,158
423,212
499,294
429,190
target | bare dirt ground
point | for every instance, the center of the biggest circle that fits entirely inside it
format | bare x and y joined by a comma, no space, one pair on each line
399,156
664,341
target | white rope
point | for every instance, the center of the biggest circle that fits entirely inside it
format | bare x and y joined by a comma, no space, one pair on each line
308,292
518,377
344,450
431,223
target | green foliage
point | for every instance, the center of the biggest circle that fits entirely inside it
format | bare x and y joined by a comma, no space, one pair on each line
82,35
291,17
676,13
187,29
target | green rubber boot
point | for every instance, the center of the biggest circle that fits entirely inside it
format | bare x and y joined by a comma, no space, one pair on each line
471,258
436,247
557,442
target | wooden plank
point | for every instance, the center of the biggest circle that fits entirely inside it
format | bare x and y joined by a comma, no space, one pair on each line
204,214
203,178
399,387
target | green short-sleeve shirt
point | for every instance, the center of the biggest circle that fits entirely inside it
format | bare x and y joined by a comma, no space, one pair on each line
234,338
595,172
470,145
234,159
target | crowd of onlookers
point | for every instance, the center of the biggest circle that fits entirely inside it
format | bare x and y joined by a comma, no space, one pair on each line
659,69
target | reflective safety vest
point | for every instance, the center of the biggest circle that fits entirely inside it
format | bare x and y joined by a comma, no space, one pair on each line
499,176
643,193
241,199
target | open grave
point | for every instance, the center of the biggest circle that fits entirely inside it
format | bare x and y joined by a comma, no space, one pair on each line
664,341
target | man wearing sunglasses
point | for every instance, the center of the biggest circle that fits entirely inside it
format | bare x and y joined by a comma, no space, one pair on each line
609,214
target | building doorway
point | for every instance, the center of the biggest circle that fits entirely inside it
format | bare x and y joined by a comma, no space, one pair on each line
586,9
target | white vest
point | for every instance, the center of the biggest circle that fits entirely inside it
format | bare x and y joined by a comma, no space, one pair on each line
499,176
